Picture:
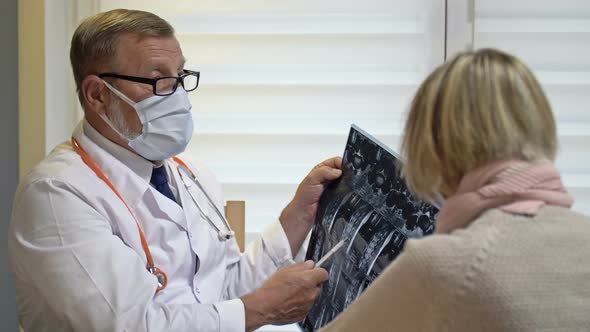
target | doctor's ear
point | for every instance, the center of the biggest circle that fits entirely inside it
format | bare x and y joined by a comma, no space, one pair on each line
96,94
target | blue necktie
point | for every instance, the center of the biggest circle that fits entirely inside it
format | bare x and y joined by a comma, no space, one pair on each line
160,182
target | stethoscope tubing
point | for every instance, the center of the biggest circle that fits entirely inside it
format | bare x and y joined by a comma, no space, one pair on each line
187,173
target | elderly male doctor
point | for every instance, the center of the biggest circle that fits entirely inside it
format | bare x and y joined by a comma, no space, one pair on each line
105,236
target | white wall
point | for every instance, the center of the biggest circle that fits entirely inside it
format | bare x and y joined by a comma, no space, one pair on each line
62,108
60,98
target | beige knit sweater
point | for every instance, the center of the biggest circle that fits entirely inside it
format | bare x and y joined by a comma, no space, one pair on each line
501,273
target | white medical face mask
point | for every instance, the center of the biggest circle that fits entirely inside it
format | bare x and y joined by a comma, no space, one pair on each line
167,124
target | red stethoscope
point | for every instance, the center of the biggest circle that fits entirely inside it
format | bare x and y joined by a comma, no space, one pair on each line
151,267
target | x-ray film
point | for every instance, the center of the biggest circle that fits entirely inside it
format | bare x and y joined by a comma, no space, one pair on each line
370,208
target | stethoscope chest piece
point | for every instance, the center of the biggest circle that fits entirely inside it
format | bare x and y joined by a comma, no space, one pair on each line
162,278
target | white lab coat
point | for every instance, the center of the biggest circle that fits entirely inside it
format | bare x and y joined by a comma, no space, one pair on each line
77,259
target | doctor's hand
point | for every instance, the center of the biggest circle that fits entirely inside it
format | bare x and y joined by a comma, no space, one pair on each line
285,297
298,217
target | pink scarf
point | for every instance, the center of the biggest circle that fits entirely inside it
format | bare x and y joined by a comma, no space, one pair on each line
512,186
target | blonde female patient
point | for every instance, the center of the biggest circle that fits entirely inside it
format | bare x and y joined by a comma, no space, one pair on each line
508,254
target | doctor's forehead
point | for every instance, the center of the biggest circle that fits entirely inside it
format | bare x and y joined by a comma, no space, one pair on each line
149,54
164,66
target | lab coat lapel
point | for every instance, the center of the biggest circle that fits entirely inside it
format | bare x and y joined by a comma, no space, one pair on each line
132,188
128,184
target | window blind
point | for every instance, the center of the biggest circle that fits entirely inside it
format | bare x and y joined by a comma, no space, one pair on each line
553,38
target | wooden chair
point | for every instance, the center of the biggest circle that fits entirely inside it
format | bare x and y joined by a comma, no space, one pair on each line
235,212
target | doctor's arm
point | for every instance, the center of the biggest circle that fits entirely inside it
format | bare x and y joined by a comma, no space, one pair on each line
288,294
281,243
64,253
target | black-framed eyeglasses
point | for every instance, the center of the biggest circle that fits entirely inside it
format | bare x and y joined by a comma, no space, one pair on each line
164,86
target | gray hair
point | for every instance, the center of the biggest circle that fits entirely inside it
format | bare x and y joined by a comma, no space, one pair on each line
95,40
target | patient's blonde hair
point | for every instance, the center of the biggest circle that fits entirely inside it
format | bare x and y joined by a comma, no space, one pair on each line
476,108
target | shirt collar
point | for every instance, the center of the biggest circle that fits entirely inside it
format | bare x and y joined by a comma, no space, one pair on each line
139,165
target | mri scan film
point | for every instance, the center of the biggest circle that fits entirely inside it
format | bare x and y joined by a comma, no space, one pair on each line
371,208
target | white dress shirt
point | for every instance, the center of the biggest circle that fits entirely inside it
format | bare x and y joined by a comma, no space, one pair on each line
77,259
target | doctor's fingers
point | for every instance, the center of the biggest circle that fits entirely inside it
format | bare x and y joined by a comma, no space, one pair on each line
322,174
334,162
300,266
316,276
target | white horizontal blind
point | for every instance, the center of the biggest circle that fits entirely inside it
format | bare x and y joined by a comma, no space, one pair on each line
553,38
281,82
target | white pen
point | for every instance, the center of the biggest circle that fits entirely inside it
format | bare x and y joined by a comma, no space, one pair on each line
330,253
